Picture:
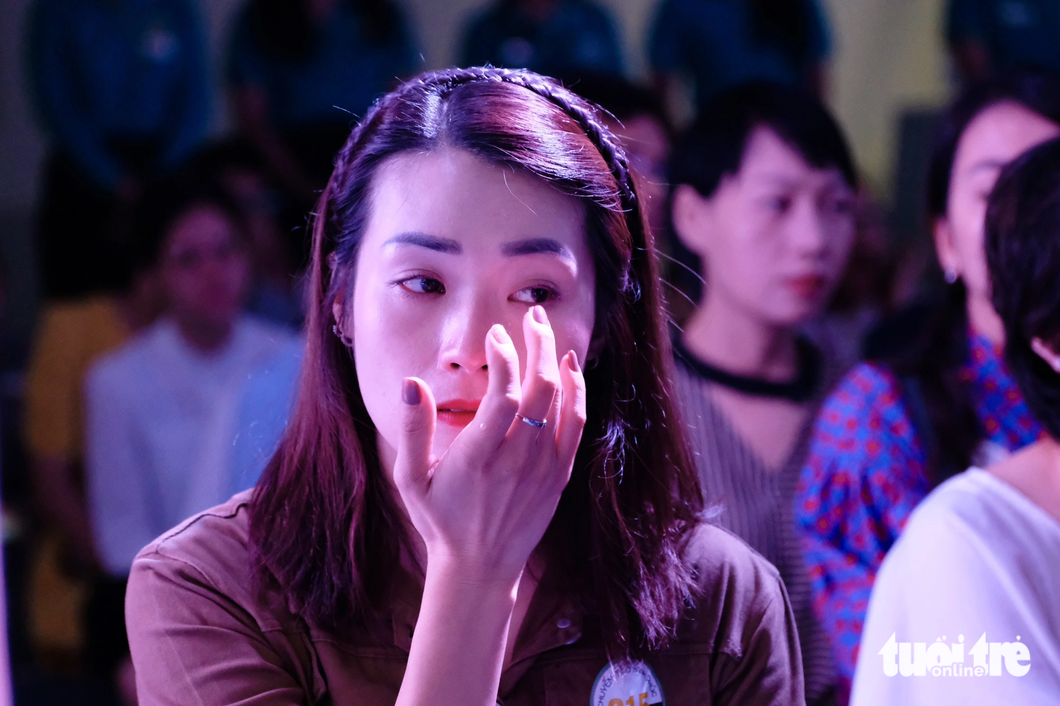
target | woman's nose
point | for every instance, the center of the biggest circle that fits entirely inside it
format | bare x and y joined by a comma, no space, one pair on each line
810,232
464,340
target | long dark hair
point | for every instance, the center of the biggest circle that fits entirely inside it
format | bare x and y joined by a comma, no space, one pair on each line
283,29
935,362
325,525
783,23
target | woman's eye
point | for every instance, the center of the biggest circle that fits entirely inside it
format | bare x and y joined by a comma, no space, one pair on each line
423,285
533,295
779,204
842,206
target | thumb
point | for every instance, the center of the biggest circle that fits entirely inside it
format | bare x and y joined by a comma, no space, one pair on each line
418,414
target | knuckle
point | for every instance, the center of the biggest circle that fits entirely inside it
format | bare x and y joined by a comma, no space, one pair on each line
543,383
509,403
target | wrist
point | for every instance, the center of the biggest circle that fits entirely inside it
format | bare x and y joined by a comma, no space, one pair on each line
467,574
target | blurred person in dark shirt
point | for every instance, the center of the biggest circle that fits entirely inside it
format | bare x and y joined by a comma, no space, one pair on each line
301,71
122,90
717,44
560,38
990,36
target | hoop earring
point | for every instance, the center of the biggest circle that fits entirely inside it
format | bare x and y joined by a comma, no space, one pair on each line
341,335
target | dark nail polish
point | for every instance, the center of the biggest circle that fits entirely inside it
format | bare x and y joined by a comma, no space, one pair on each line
410,392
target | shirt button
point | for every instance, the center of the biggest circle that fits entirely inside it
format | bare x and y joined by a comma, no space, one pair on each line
563,624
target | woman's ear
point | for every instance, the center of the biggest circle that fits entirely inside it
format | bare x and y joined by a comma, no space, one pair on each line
946,249
1046,352
596,344
691,218
338,311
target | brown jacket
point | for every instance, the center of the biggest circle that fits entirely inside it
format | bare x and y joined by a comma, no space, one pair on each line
200,634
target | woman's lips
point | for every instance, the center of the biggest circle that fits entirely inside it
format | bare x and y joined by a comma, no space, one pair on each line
458,413
807,287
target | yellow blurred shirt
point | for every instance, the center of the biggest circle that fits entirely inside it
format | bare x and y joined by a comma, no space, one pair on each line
70,337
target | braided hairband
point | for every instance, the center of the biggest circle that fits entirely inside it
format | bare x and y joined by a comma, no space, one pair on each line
577,108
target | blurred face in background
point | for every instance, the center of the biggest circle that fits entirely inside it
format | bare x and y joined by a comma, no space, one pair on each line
648,148
259,211
775,236
995,137
204,268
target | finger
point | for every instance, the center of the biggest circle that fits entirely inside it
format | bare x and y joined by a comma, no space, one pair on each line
541,378
501,401
572,413
418,418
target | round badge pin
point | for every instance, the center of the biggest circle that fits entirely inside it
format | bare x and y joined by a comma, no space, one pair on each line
627,684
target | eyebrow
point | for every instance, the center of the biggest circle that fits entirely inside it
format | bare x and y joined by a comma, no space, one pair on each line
424,240
448,246
536,246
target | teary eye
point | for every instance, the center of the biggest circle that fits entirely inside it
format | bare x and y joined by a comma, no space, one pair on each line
533,295
423,285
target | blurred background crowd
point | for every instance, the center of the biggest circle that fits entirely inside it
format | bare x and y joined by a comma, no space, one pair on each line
158,159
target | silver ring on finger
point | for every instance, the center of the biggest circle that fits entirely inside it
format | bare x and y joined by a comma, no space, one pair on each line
536,423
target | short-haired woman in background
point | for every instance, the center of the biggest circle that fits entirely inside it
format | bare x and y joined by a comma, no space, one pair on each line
764,195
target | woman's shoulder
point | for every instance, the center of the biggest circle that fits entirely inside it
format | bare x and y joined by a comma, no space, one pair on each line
869,396
714,552
199,629
742,616
968,529
737,588
970,561
208,555
134,359
214,542
978,508
865,385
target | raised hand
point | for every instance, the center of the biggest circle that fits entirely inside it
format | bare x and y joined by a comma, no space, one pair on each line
485,504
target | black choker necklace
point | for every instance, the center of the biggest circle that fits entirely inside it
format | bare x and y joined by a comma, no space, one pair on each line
799,390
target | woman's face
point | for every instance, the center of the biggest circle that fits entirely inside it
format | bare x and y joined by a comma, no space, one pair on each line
998,135
204,267
454,245
775,236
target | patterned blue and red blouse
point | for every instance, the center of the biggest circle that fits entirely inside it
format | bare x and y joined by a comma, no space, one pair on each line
865,473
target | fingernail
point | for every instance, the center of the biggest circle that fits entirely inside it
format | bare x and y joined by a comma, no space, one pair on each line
500,335
539,315
410,392
574,362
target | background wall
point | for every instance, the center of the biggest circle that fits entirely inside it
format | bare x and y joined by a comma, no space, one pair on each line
888,58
